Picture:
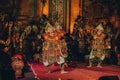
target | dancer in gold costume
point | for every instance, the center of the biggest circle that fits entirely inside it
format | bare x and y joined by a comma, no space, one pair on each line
98,47
54,48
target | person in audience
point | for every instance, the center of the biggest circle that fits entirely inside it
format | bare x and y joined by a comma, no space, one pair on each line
6,70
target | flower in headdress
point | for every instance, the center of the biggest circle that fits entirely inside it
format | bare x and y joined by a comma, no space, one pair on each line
17,56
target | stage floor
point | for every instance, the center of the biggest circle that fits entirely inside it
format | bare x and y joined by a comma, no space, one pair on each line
76,71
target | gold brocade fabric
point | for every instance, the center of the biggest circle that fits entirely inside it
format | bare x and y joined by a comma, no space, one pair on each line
98,47
54,47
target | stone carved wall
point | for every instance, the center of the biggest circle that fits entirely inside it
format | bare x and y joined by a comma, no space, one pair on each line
27,7
57,11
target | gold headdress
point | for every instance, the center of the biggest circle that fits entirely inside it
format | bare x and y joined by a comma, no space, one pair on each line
100,27
49,28
57,26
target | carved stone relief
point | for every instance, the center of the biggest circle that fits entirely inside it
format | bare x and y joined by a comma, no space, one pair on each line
57,11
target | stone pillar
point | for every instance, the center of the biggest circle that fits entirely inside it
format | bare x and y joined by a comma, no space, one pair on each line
42,9
76,9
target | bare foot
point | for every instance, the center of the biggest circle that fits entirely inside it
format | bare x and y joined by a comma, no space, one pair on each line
89,66
48,72
63,72
99,66
52,65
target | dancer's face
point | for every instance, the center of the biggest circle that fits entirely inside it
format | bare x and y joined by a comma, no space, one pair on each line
39,36
99,32
6,49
